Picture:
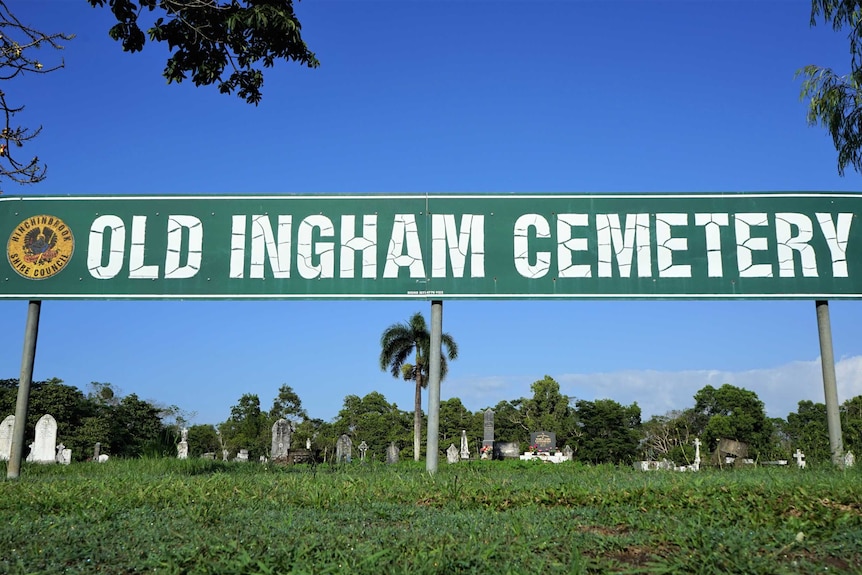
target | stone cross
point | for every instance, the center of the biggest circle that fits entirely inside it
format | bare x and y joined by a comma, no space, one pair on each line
465,449
6,437
452,454
697,451
363,447
800,459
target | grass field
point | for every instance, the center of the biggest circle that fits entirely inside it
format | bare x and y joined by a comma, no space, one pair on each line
199,516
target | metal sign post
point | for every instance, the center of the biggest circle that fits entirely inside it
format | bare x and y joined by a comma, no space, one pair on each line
830,386
434,386
31,332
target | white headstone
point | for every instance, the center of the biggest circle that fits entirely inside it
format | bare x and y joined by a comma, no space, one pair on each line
103,457
465,449
6,437
452,454
280,439
849,459
800,458
45,446
64,456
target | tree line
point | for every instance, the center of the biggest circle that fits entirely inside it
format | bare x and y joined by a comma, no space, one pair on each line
599,431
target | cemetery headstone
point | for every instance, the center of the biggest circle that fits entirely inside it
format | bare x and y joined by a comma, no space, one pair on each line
392,453
452,455
800,458
488,429
6,437
344,449
208,455
281,432
363,447
849,459
224,454
45,446
97,450
64,456
183,445
510,449
465,449
242,456
568,453
543,441
103,457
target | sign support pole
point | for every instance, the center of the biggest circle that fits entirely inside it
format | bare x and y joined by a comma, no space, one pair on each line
830,386
31,332
436,348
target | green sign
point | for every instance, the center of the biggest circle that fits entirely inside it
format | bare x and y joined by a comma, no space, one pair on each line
646,246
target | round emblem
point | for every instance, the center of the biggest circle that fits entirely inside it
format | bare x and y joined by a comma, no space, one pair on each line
40,247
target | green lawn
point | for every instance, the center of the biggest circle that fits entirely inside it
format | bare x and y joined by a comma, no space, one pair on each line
197,516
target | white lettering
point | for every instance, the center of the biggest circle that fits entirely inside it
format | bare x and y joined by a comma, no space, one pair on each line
263,244
786,243
836,237
176,225
116,250
366,243
712,229
323,250
404,234
666,244
566,244
611,241
444,234
137,269
522,246
745,245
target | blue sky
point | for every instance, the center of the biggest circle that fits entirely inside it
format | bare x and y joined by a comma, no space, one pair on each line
434,96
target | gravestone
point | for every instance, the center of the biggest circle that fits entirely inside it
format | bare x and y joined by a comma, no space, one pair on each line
392,453
64,456
6,437
97,450
102,458
183,445
508,450
800,458
280,439
465,449
452,455
543,441
45,446
344,449
208,455
224,454
363,447
242,456
568,453
488,429
849,460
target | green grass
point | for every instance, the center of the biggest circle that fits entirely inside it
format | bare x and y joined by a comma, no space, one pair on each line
198,516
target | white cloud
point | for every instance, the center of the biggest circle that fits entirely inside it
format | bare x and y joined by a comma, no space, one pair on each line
657,392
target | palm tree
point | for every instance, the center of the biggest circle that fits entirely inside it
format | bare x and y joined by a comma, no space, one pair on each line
401,340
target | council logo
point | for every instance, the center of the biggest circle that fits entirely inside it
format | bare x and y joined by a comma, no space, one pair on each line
40,247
